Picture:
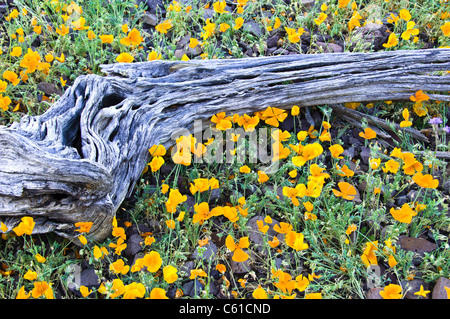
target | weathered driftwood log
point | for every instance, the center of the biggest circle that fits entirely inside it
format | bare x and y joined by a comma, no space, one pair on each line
82,158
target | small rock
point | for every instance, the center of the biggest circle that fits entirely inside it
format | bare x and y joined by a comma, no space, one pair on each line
186,268
370,36
439,291
207,252
350,152
417,245
253,28
133,245
357,198
272,41
399,201
362,186
293,48
287,124
193,52
363,168
308,4
365,154
412,286
36,42
183,41
219,241
446,187
278,263
271,50
87,278
215,195
167,168
192,288
412,196
149,19
49,89
278,191
183,185
329,47
244,46
374,293
355,142
321,37
189,203
257,238
137,229
280,51
153,6
208,14
241,267
350,164
3,7
179,53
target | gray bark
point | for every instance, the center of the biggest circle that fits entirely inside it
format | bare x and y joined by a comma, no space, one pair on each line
82,158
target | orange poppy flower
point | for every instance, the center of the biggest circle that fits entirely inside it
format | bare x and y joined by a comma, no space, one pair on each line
419,97
157,150
107,38
346,191
239,255
392,291
262,177
125,57
282,228
238,23
344,171
79,24
392,41
406,122
336,150
152,261
307,152
368,133
26,226
163,27
274,115
446,28
425,181
368,256
404,214
391,166
248,122
63,31
5,101
219,6
12,77
274,242
222,121
83,227
133,38
350,229
295,240
175,198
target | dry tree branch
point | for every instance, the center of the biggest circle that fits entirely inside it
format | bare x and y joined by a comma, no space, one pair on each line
83,157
